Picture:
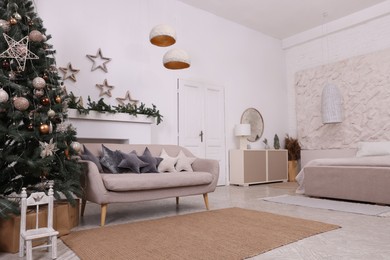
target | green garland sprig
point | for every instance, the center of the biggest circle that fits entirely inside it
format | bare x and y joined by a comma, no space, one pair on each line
102,107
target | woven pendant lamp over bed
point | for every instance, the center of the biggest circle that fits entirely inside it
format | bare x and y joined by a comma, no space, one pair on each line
162,35
332,105
176,59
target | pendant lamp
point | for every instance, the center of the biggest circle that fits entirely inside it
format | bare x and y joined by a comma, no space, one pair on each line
332,110
176,59
162,35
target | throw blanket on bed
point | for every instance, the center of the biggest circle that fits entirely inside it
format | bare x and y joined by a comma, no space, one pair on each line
370,161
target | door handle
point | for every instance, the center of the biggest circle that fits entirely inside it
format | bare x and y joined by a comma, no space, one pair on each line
201,136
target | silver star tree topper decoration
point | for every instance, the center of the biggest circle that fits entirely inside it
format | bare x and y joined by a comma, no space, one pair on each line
19,51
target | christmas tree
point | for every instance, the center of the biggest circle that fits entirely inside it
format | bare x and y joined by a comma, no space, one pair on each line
36,143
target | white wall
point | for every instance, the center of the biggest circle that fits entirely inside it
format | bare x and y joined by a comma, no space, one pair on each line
361,33
250,65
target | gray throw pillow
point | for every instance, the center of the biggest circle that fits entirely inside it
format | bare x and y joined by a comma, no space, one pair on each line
111,159
151,160
87,155
131,163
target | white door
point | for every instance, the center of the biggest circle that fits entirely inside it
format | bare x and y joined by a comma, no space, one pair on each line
202,122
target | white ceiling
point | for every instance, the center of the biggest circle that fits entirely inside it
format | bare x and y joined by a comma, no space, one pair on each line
282,18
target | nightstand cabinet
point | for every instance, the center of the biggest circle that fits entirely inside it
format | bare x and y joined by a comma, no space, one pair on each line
257,166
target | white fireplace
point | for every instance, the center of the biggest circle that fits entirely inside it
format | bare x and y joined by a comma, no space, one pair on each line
111,128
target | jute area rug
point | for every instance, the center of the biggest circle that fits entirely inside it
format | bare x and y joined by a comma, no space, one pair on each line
232,233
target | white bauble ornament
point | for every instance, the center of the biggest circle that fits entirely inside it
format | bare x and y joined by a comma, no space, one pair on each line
21,103
39,92
51,113
35,36
3,96
39,83
5,25
76,146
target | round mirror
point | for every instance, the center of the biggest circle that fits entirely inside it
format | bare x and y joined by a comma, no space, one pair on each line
253,117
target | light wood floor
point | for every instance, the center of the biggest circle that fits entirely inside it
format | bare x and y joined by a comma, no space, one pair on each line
361,237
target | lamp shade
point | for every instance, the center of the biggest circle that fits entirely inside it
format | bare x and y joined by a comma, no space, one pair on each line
162,35
331,105
242,130
176,59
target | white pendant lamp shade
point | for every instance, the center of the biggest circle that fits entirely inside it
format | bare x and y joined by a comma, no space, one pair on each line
176,59
332,105
162,35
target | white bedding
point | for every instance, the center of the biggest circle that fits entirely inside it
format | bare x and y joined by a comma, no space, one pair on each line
374,161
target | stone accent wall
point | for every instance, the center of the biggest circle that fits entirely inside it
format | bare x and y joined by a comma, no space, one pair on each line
364,82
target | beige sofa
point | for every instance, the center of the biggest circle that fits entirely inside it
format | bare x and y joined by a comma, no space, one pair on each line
105,188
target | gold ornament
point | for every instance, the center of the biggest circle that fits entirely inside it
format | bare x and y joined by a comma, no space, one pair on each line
13,21
69,72
58,99
99,62
105,85
44,129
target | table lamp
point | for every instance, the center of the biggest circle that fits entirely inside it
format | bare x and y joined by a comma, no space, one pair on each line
242,131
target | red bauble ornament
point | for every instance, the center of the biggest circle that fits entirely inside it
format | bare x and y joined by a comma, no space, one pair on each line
44,129
45,101
5,65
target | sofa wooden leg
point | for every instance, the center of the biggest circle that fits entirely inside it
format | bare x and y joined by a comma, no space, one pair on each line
206,200
177,201
103,214
83,203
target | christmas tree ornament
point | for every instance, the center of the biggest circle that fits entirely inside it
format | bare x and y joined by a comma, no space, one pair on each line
39,83
99,62
45,76
35,36
48,149
105,89
13,21
51,113
50,128
30,127
18,50
58,99
45,101
3,96
76,146
17,16
21,103
5,65
39,92
128,98
69,72
4,25
44,129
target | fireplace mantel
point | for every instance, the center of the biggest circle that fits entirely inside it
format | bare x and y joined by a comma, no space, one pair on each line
107,127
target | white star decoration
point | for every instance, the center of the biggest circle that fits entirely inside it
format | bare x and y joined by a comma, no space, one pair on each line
99,62
48,149
69,72
127,97
18,50
105,85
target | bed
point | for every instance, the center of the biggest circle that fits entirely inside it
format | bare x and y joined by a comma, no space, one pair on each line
365,177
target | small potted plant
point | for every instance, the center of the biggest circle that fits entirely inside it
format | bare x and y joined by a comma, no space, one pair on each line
294,154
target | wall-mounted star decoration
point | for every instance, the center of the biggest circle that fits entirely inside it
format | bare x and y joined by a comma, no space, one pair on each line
18,50
105,89
127,97
99,62
69,72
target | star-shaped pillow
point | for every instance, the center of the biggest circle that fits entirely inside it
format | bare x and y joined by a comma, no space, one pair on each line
168,162
152,161
184,163
110,159
131,163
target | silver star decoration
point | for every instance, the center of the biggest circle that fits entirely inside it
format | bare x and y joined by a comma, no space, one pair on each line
105,89
99,62
48,149
127,97
19,51
69,72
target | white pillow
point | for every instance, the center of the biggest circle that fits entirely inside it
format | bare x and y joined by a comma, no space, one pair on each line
168,162
373,149
184,163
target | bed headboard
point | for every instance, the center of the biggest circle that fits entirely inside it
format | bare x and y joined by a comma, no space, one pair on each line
308,155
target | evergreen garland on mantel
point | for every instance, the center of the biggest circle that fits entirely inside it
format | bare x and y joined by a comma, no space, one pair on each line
102,107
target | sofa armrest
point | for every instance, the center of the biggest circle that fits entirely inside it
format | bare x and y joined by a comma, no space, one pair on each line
94,186
207,165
